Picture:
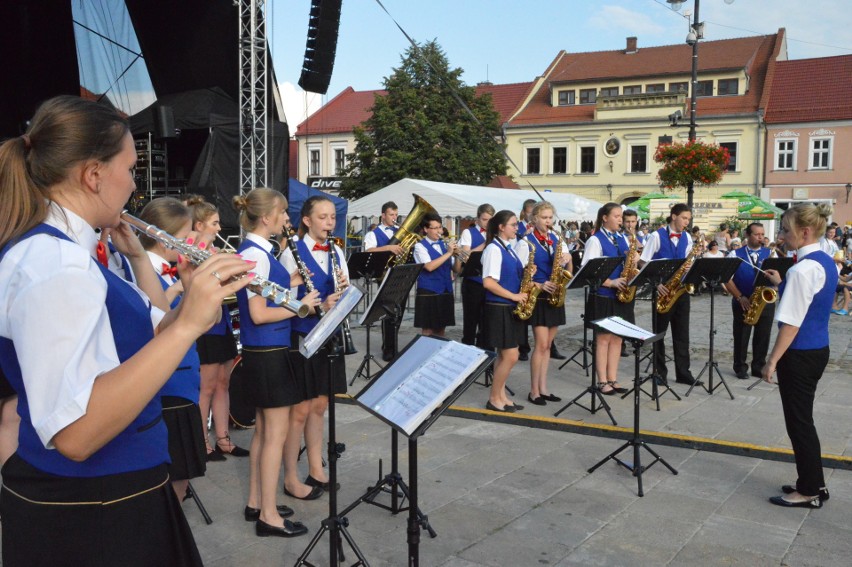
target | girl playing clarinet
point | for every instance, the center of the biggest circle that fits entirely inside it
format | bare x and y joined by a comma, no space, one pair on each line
434,306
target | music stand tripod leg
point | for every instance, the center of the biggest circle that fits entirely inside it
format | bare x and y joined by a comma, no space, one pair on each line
592,390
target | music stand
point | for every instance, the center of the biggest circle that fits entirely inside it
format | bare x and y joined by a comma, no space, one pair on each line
326,332
637,337
655,272
712,271
396,396
781,265
590,277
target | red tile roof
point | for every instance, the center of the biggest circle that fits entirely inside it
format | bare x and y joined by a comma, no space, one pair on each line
503,182
350,108
809,90
752,53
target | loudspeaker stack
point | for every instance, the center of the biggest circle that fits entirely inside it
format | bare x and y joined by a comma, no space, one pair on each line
321,46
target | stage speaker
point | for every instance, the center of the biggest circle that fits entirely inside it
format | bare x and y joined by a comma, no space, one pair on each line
164,122
321,46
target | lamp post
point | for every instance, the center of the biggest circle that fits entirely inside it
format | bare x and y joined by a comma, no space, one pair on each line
848,189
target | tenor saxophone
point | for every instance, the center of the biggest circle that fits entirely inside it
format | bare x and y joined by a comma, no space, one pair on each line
559,276
759,299
524,309
675,284
629,272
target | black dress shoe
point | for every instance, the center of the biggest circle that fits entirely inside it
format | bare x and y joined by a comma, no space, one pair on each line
253,514
741,375
315,493
236,451
515,407
815,502
505,409
602,385
690,382
290,529
756,375
524,356
311,481
387,355
555,354
790,489
618,389
539,401
551,398
215,456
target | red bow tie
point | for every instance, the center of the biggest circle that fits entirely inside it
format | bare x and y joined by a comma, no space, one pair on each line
167,269
795,257
101,252
675,234
321,247
481,230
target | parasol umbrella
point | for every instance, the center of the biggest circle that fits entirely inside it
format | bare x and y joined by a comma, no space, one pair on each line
643,205
752,207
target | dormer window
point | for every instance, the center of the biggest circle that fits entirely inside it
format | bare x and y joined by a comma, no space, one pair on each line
566,98
728,87
682,87
633,90
609,91
704,88
588,96
655,88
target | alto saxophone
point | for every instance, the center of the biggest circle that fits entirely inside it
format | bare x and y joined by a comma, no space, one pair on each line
524,309
559,276
675,284
760,297
629,272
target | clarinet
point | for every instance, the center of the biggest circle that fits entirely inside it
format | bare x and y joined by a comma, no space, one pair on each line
301,267
348,343
263,287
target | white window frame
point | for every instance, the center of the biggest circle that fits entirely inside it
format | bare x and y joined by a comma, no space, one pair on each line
567,159
541,165
580,159
333,165
812,152
314,148
795,149
648,157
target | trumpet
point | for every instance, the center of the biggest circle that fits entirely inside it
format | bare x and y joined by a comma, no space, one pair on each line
462,255
270,290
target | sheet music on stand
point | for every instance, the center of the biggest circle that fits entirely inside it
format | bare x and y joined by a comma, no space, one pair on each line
424,375
331,320
392,292
622,328
367,264
779,264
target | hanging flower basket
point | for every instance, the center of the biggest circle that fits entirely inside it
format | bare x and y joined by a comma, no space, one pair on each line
696,162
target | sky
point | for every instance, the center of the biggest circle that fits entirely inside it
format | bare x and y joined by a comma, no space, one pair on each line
513,41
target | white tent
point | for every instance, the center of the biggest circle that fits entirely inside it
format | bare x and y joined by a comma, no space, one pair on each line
451,200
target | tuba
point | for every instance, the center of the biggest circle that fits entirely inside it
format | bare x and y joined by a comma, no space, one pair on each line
559,276
675,283
524,309
760,297
408,234
629,272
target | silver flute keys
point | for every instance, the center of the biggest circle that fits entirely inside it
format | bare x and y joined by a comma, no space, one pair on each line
270,290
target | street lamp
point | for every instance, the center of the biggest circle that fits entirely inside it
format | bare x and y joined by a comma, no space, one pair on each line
609,190
848,189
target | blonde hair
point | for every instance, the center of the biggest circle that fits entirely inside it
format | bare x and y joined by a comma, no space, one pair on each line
167,213
542,206
201,209
255,204
812,215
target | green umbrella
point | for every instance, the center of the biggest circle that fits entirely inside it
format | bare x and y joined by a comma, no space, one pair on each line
752,207
643,205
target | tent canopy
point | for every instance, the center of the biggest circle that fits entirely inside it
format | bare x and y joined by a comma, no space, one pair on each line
752,207
299,192
452,200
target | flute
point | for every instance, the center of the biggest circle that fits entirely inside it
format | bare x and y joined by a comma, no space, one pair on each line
270,290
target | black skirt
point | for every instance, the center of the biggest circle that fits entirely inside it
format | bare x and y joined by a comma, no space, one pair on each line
312,373
501,329
546,315
216,349
186,438
434,310
6,389
603,307
130,519
268,377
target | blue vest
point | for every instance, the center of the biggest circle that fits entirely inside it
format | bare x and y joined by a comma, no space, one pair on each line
668,250
511,272
522,228
813,334
745,275
610,250
143,444
476,239
382,238
438,280
543,256
122,260
275,334
186,381
323,282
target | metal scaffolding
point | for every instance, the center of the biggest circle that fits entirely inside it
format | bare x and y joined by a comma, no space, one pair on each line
253,95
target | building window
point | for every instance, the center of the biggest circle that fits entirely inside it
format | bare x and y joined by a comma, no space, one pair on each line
820,153
560,160
339,161
728,87
314,163
533,161
732,151
785,154
566,98
588,96
638,159
587,159
656,88
704,88
682,87
609,91
633,89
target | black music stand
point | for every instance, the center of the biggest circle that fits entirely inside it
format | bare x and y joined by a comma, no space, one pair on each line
367,265
590,277
374,398
637,340
471,269
712,271
655,272
327,333
781,265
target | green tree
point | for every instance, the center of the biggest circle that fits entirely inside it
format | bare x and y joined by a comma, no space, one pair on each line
419,130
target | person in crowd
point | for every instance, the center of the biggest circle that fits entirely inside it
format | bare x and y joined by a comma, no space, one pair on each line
713,250
271,386
525,218
827,243
434,306
801,350
844,283
91,417
741,287
672,241
217,350
502,271
723,238
473,294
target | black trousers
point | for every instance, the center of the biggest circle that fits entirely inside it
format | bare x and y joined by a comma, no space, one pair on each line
678,317
759,343
390,330
473,306
798,374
